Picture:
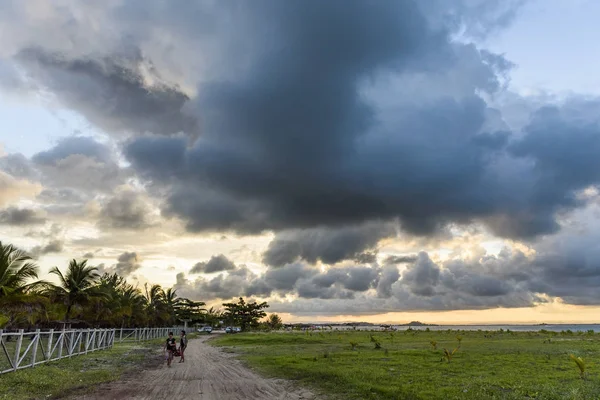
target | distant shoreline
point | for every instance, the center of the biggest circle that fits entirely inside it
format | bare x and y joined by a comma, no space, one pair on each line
417,323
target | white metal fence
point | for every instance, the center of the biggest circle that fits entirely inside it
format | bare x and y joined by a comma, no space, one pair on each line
27,349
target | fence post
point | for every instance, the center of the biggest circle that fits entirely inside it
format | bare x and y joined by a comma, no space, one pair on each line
49,352
61,343
18,349
121,335
35,346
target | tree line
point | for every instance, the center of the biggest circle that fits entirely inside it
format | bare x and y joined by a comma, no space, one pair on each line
85,298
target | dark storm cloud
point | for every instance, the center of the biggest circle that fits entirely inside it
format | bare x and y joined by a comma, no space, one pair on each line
111,92
217,263
126,210
291,142
305,128
325,244
21,216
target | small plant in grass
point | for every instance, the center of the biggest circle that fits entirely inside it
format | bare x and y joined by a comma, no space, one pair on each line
449,354
433,344
392,336
373,339
386,352
353,345
326,354
377,344
459,338
580,364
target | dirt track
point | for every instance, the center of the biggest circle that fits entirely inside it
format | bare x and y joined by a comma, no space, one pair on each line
208,373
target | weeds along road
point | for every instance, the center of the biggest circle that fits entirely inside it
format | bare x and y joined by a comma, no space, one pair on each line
208,373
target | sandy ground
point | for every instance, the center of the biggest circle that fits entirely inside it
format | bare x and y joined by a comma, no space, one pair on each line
208,373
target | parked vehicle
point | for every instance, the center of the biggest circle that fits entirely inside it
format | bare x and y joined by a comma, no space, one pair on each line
229,330
207,329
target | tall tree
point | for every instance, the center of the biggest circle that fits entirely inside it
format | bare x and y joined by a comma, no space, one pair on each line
16,270
77,286
274,322
189,310
19,305
246,315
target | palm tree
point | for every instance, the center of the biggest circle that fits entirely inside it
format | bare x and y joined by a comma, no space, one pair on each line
16,269
78,286
157,310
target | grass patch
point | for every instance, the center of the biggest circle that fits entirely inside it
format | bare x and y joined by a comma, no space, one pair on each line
58,378
492,364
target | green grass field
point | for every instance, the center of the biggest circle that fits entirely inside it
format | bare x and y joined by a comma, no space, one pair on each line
488,365
47,381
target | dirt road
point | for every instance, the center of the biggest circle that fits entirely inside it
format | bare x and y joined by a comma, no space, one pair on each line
208,374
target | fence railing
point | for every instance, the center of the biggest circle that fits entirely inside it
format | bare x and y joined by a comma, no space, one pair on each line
22,349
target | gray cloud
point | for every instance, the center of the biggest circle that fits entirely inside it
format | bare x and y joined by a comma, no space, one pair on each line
217,263
112,92
127,263
422,276
126,210
400,259
325,244
54,246
408,165
18,166
21,216
79,163
223,286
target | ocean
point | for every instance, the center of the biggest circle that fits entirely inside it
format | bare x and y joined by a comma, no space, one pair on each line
515,328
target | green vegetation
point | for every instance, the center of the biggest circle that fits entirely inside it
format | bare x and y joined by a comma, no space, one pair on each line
488,364
49,380
247,315
85,296
88,299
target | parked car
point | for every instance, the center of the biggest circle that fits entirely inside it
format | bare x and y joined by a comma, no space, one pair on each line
229,330
238,329
207,329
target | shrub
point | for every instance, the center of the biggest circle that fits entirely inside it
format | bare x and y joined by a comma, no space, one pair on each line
353,345
433,344
580,364
448,355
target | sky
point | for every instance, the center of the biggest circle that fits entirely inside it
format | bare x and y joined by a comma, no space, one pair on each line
343,160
